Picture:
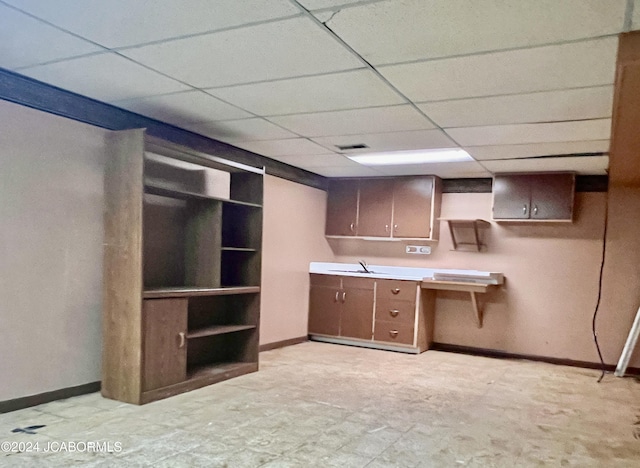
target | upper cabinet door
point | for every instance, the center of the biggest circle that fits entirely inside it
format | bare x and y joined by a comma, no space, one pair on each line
342,208
552,196
534,197
412,199
376,200
511,196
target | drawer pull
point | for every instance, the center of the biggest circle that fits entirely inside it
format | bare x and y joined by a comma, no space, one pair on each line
393,333
394,312
395,290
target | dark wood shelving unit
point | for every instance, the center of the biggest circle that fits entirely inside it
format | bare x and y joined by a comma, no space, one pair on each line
181,310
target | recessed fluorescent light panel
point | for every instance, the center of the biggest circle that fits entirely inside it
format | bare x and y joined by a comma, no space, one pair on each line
412,157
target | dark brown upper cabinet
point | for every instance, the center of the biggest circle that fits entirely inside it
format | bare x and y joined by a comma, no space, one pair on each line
375,207
413,200
342,207
401,207
533,197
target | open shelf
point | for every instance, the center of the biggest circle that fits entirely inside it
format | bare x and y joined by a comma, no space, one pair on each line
218,330
186,195
156,293
217,371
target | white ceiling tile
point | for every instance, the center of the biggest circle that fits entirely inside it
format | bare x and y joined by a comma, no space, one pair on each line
635,18
574,65
119,23
450,170
184,108
317,160
599,129
26,41
357,121
282,49
241,130
537,149
592,165
318,4
289,147
406,30
346,90
548,106
107,77
344,171
392,141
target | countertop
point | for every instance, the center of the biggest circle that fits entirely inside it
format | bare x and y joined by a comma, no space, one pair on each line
407,273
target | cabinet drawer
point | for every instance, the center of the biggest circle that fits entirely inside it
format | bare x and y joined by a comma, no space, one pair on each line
395,311
330,281
390,332
396,290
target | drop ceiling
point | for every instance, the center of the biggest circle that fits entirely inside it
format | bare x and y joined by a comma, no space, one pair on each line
520,85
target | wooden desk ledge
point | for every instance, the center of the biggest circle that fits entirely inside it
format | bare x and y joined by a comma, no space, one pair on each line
471,288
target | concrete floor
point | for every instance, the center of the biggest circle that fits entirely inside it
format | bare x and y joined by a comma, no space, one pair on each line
325,405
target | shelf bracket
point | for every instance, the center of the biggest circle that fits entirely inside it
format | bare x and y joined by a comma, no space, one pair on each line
477,310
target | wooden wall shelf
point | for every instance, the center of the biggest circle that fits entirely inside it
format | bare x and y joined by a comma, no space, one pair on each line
473,225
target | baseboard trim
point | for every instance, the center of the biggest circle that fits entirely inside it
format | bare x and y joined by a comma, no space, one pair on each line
283,343
34,400
529,357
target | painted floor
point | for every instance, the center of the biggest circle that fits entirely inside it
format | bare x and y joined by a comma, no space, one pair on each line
324,405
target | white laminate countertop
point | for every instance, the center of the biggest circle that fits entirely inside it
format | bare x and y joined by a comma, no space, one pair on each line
406,273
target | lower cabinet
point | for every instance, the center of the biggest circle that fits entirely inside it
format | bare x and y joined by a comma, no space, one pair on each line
381,313
165,347
200,337
341,306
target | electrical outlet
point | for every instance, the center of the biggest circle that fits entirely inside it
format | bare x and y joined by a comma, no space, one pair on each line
418,249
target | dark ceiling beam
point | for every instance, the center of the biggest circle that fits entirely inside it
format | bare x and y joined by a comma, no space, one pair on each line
41,96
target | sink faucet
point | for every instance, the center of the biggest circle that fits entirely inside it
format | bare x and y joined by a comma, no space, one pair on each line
363,264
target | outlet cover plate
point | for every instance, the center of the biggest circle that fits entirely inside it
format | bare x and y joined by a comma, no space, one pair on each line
418,249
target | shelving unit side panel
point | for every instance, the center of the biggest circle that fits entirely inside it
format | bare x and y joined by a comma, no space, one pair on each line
203,243
122,303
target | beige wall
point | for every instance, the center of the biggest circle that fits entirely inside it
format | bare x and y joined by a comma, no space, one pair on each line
293,236
552,272
51,229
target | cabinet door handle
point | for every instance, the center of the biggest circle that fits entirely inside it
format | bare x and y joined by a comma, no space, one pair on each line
386,228
394,312
352,227
182,339
395,227
395,291
535,209
393,333
524,209
336,299
344,296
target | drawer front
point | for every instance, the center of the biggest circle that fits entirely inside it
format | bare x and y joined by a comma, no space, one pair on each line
330,281
352,282
390,332
396,290
395,311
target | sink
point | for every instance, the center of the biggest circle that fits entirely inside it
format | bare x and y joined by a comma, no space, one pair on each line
370,272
